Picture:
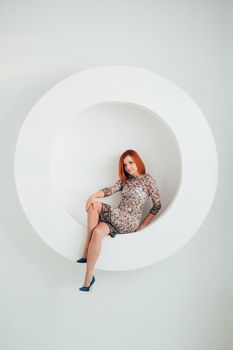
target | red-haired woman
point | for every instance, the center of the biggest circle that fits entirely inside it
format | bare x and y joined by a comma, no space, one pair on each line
102,219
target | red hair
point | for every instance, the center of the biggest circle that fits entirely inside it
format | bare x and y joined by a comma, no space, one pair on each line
137,160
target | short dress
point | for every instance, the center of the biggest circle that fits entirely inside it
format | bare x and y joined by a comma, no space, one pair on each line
127,216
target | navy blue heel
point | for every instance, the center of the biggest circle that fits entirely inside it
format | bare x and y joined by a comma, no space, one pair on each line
87,289
82,260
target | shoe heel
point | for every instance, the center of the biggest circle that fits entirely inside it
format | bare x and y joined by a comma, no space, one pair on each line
88,289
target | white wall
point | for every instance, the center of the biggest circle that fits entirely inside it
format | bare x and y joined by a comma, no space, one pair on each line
183,302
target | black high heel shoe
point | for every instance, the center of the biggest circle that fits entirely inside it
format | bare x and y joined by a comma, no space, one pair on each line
87,289
82,260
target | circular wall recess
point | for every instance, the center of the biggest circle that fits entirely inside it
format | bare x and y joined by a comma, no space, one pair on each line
69,146
88,148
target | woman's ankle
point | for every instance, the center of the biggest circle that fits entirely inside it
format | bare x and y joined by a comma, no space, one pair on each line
84,254
87,280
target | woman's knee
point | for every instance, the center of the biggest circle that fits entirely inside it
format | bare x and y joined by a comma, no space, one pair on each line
100,231
98,207
97,234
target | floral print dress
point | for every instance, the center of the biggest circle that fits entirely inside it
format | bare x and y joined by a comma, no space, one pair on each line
127,216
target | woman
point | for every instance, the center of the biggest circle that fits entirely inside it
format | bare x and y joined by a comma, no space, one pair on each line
102,219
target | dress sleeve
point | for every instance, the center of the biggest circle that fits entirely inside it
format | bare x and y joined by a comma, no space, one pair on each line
154,194
108,191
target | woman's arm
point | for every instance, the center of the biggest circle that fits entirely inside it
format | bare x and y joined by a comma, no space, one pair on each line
150,217
99,194
104,192
153,191
154,194
108,191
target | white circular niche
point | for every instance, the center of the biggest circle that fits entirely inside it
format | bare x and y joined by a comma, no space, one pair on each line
86,153
69,146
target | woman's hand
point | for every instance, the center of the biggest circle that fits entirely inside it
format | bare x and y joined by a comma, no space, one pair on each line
140,227
90,201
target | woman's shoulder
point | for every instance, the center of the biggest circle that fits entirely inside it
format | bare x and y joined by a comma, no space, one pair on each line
120,182
148,177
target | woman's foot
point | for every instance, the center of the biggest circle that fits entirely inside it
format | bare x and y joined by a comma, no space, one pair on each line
82,260
87,288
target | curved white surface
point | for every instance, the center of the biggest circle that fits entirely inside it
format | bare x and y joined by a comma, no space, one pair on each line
34,164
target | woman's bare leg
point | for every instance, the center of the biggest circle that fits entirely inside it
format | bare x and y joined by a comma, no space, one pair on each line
94,247
92,222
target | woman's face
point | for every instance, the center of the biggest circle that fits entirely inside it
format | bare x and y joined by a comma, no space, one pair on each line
130,167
